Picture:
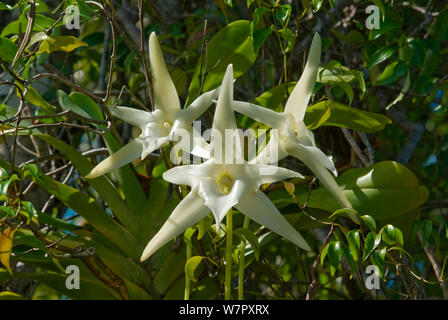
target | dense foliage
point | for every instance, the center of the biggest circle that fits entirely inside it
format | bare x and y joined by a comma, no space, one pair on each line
379,108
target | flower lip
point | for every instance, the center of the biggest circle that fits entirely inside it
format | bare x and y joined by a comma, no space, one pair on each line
225,184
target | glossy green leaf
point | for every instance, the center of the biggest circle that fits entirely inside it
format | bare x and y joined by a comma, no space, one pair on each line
191,266
35,98
381,55
61,43
372,191
41,23
354,243
8,50
344,116
377,259
370,243
370,222
392,73
248,235
334,255
9,295
232,44
188,234
388,234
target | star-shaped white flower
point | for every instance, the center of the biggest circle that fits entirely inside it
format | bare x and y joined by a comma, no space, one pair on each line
217,186
293,137
162,125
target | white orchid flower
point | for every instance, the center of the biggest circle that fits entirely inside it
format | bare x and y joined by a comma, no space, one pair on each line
163,124
294,138
217,186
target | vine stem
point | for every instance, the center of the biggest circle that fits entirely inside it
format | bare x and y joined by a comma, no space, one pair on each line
229,240
242,262
187,281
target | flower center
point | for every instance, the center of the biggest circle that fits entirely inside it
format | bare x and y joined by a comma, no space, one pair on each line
167,125
225,184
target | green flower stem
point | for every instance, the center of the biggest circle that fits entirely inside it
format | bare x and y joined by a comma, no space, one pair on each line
187,281
242,262
229,240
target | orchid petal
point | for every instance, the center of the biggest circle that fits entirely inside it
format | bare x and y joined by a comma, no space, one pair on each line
224,117
128,153
224,122
220,203
187,213
259,208
267,174
198,106
188,174
165,93
300,96
151,144
258,113
313,161
314,153
275,145
138,118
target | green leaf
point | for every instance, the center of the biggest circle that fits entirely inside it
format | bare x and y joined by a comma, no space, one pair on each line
7,6
354,243
343,211
88,208
370,222
377,259
231,45
191,266
67,104
381,55
203,227
290,38
88,289
9,295
335,255
102,185
260,37
344,116
188,234
323,254
388,234
8,50
258,15
41,23
348,91
384,190
61,43
370,243
282,14
426,227
392,73
130,185
35,98
247,235
317,4
351,261
87,104
172,269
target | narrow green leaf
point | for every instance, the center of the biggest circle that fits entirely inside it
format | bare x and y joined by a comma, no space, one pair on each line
354,243
191,266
